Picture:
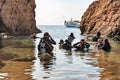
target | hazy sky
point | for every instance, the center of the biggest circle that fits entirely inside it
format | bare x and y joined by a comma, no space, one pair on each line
54,12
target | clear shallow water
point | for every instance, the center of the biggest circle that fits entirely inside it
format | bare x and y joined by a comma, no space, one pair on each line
66,65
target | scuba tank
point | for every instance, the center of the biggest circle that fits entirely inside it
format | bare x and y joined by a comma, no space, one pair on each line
42,46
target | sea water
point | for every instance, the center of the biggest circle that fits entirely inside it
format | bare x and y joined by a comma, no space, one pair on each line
66,65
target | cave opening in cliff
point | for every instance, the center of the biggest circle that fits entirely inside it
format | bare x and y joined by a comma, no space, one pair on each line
54,12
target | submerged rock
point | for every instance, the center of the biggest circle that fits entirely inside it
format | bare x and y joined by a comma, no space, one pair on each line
17,17
46,56
2,64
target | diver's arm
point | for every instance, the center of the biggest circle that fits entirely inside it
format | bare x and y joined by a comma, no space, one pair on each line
52,41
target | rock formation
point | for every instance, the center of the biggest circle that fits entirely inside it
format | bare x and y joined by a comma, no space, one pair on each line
1,64
102,15
17,17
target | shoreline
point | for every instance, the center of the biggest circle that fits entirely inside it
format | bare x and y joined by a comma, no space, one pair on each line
16,55
23,65
23,70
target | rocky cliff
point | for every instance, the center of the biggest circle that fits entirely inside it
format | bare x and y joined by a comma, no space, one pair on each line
17,17
102,15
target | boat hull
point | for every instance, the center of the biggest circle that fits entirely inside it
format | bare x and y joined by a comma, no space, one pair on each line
71,24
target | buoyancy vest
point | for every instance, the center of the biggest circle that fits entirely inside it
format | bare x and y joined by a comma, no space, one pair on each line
42,46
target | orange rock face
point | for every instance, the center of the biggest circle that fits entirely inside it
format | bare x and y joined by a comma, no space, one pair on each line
17,17
102,15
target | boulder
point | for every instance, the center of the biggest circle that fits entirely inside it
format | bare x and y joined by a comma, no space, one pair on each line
17,17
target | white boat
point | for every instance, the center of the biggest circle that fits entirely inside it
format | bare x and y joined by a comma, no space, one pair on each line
72,23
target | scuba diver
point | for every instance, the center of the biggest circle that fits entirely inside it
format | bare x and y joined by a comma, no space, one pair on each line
45,44
95,38
67,45
82,45
106,45
71,37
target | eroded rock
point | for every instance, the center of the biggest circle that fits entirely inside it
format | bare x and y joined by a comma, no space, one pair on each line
102,15
17,17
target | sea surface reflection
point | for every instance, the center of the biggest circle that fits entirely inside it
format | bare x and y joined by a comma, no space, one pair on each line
66,65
